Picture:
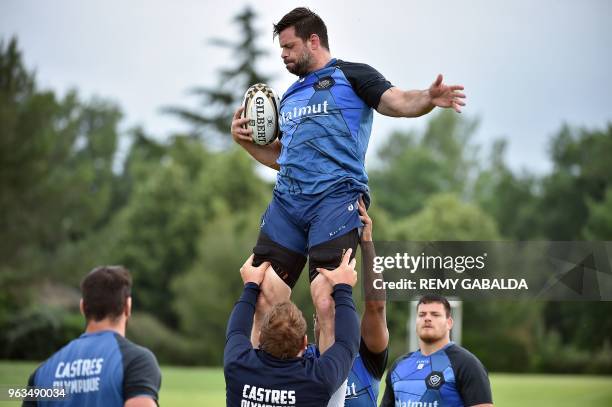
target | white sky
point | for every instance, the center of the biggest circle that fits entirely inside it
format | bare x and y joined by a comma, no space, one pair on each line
528,66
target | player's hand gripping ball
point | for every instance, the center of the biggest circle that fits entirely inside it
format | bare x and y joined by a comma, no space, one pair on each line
261,107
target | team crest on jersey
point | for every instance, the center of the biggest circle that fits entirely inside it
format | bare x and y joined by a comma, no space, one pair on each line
324,83
435,380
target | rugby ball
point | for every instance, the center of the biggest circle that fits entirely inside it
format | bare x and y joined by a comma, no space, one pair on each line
261,107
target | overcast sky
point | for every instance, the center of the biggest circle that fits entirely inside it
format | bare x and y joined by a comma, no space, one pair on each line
527,66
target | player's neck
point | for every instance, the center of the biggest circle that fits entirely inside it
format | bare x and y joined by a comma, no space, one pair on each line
106,325
427,348
320,61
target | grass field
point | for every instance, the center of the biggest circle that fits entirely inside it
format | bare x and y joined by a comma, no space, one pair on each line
183,386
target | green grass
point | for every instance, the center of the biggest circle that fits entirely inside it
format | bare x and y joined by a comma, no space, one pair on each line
551,390
184,386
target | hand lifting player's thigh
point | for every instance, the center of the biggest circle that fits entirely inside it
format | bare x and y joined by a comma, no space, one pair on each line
273,291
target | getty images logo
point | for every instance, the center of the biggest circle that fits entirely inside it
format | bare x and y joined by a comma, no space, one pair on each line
310,110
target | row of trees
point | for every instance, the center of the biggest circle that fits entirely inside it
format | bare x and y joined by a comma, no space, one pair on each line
183,214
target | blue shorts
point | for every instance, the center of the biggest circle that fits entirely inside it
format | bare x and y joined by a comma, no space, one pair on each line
299,222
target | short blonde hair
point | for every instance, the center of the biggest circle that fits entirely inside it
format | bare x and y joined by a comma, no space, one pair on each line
283,330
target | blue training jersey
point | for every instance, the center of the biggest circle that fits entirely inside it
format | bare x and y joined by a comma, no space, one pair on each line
450,377
363,381
100,369
325,121
362,387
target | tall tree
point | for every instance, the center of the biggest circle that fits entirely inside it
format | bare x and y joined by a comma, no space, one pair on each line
56,182
217,103
56,161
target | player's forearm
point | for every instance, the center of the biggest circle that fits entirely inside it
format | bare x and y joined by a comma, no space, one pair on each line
374,327
416,103
337,360
241,319
267,155
375,299
410,103
346,319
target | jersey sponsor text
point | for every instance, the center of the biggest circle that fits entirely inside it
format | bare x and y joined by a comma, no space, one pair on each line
410,403
303,111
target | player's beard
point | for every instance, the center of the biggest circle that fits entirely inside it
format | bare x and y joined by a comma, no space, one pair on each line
430,336
302,65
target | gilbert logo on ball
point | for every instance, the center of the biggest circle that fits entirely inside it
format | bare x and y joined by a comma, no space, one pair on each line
261,107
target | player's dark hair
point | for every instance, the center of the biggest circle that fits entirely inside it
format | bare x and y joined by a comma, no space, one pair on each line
437,299
283,330
305,22
105,290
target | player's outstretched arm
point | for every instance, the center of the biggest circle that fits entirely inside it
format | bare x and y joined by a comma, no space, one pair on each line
414,103
374,319
267,155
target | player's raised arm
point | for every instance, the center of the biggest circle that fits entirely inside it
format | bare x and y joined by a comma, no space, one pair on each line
373,321
414,103
241,319
336,362
267,155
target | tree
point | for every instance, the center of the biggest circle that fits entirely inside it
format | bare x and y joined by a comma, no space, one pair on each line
581,176
445,217
204,295
511,199
416,167
177,197
599,224
212,120
56,183
56,163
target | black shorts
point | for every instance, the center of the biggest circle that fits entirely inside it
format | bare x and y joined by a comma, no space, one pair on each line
289,264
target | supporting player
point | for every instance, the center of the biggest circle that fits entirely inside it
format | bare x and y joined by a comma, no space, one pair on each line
276,374
440,373
361,388
325,120
101,367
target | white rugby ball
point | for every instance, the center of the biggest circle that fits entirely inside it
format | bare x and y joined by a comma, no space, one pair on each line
261,106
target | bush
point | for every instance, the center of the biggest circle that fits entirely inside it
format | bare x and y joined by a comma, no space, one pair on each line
168,346
37,332
555,357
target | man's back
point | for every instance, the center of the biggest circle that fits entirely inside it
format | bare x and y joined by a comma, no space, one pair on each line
261,378
99,369
255,377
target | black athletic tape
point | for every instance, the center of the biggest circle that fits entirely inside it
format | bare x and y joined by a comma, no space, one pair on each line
287,263
329,254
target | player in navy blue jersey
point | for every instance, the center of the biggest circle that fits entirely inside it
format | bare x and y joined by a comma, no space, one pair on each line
276,374
101,368
325,122
440,373
361,388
